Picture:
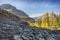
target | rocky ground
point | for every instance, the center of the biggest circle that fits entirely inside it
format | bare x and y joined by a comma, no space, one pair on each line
39,34
7,31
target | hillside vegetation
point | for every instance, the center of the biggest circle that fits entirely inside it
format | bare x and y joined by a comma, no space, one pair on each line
48,21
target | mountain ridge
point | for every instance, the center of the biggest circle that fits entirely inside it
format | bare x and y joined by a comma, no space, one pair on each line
17,12
12,9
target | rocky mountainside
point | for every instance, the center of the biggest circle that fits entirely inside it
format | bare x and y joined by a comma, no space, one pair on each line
9,24
17,12
13,28
12,9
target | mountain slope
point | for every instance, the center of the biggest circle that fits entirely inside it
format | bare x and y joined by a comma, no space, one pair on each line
17,12
12,9
9,24
6,16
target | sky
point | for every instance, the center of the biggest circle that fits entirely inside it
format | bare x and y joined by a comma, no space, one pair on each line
34,8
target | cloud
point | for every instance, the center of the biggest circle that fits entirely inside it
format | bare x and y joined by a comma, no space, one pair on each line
36,15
